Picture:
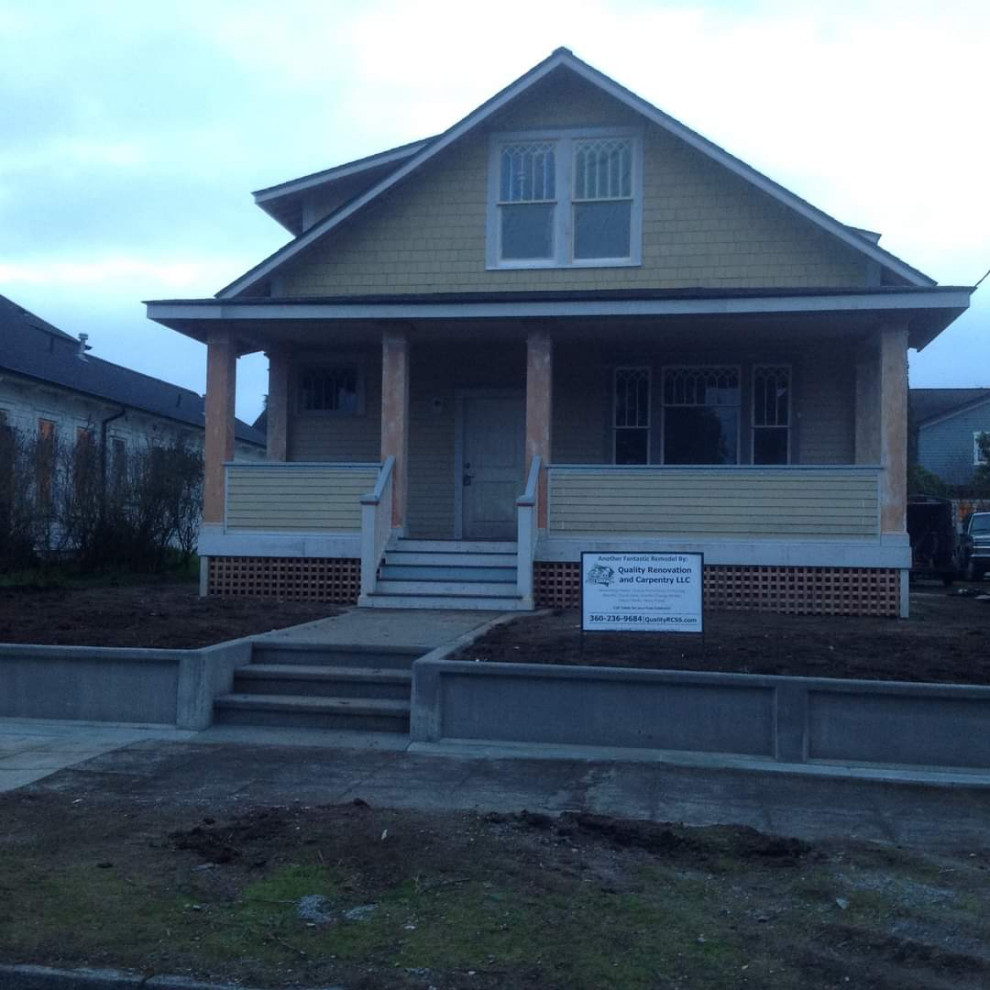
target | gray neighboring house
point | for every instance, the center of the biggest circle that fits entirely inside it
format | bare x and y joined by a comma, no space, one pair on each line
945,424
51,386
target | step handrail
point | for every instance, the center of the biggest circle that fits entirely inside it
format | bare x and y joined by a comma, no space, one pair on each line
526,530
376,524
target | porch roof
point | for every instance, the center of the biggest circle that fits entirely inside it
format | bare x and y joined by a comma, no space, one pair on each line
927,309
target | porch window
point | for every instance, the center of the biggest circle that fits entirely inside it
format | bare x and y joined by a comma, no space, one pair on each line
632,416
701,415
331,390
771,414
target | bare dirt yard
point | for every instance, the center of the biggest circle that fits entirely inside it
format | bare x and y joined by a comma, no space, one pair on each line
947,639
371,899
159,614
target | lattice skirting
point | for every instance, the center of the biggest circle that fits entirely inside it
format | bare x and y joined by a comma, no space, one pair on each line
796,590
311,579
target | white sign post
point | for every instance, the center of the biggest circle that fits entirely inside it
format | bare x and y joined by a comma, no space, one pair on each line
642,592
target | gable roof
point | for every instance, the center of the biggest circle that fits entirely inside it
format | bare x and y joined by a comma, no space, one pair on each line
33,348
563,59
930,404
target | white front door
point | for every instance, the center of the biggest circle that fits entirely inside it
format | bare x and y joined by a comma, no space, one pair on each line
492,459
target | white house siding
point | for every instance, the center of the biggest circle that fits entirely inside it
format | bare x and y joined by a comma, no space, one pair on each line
23,403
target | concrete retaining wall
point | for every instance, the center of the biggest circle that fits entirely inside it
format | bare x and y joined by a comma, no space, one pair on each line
109,684
789,719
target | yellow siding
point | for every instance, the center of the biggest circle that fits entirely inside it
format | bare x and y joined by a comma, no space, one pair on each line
702,226
323,437
737,504
305,499
825,405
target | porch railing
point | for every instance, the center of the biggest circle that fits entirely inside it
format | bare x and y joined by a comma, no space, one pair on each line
527,514
376,525
296,496
815,502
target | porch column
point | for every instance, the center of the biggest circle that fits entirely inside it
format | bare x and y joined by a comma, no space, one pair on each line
539,398
395,417
867,405
893,429
218,442
278,405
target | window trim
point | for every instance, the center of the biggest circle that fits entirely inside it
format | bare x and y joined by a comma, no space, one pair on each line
649,410
977,460
738,368
753,427
563,205
355,364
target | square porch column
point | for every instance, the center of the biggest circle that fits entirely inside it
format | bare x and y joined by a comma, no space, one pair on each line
277,408
893,429
218,442
395,417
539,401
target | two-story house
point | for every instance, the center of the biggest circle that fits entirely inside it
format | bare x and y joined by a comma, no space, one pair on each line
567,323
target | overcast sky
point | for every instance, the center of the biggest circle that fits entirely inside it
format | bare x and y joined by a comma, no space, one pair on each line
131,135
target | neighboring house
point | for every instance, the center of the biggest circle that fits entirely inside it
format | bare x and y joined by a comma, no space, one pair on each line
51,387
567,323
946,424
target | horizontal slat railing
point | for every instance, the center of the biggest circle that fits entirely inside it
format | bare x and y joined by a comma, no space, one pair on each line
732,502
297,497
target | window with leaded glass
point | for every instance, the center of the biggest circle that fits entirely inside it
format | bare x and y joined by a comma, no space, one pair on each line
701,415
565,198
527,199
333,390
631,416
603,198
771,414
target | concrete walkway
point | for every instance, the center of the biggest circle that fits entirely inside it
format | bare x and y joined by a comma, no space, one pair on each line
426,628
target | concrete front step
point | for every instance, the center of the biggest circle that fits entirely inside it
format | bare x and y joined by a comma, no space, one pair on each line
443,558
322,681
401,571
486,589
423,600
367,715
320,655
456,546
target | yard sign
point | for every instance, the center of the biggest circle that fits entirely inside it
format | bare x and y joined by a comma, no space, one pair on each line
642,592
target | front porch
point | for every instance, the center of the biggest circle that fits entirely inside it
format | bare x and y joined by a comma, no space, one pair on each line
774,444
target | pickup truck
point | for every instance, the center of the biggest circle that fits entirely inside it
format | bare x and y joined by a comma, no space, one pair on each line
974,545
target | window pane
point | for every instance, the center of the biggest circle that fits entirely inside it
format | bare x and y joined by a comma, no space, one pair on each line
700,435
603,169
334,390
771,396
631,446
527,231
632,397
770,446
527,172
602,230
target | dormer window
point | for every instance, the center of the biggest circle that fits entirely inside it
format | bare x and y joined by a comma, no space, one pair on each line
565,199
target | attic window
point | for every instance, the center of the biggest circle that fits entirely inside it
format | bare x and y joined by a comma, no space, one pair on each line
565,199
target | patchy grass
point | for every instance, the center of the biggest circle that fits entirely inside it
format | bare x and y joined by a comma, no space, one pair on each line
454,900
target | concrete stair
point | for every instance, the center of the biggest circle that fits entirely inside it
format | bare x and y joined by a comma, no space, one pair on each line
314,686
448,574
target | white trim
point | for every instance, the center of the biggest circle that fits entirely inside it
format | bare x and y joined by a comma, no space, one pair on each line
564,202
559,58
752,410
493,308
293,186
214,542
755,553
649,411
